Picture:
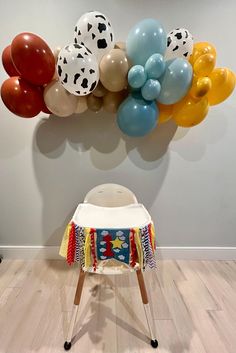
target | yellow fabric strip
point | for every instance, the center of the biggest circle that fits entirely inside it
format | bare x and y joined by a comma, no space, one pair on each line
153,236
64,243
138,246
87,248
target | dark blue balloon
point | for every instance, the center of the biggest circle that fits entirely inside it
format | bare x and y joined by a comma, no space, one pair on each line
136,116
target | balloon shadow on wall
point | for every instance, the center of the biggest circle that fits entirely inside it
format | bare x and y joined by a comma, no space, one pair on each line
72,155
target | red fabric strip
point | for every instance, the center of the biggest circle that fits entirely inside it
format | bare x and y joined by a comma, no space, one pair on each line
133,250
93,250
71,245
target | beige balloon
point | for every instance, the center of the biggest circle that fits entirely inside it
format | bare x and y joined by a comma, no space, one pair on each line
58,100
112,100
120,45
82,105
56,52
94,103
100,90
114,68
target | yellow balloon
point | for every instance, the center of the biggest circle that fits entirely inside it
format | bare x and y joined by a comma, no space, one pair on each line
204,65
202,48
223,84
190,112
200,87
165,112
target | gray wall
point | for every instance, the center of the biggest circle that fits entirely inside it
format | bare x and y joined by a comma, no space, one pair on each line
186,178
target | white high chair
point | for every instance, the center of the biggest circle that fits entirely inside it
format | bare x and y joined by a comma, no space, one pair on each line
111,198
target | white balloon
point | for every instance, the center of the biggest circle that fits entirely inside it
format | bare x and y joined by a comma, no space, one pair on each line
179,44
94,30
77,69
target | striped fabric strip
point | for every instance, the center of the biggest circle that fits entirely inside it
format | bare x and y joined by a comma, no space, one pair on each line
77,240
149,258
81,246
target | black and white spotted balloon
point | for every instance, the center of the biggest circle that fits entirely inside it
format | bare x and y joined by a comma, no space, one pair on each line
94,30
77,69
179,44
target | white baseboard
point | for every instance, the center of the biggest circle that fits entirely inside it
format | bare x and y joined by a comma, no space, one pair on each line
163,252
30,252
196,253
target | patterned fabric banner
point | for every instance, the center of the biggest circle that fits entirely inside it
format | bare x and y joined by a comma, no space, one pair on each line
89,246
113,243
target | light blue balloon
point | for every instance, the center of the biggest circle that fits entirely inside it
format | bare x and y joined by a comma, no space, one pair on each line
144,39
137,117
176,81
137,76
151,90
155,66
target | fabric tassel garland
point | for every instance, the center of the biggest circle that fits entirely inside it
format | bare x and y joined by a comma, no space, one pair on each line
86,246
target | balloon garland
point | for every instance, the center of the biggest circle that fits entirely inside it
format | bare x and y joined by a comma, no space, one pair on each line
150,79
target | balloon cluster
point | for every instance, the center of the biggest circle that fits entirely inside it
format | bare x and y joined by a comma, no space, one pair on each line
150,79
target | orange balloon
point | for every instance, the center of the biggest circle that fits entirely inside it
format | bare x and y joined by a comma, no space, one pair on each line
165,112
204,65
202,48
190,112
200,87
223,84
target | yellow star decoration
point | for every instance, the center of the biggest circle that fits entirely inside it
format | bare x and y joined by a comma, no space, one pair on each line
117,243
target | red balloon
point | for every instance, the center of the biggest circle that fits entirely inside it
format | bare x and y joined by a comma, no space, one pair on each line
33,58
8,63
21,98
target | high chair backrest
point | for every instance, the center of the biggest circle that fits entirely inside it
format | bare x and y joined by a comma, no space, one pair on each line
110,195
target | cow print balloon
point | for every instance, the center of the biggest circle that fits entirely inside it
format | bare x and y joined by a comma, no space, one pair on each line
179,44
77,69
94,30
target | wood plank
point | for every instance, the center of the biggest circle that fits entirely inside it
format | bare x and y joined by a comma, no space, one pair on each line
193,303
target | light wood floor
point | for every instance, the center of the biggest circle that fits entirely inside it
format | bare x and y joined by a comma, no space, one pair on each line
193,303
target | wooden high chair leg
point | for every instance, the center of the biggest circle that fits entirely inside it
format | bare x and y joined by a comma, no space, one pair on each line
143,291
67,344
